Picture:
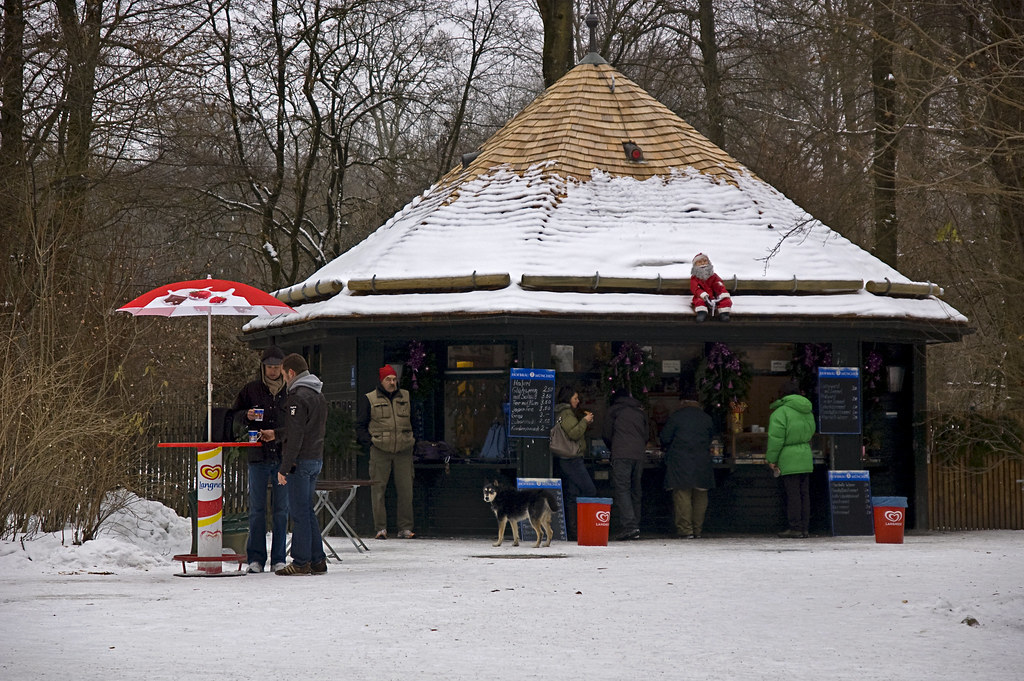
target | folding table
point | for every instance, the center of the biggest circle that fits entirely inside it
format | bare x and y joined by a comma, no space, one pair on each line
323,501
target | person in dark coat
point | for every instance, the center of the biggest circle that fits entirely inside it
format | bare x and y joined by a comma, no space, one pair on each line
256,408
625,431
304,419
688,469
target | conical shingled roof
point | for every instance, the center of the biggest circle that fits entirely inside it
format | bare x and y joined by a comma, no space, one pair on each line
551,218
580,123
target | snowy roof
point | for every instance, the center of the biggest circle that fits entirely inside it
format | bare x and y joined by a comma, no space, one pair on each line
553,194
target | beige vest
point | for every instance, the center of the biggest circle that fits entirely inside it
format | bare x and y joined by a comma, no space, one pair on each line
390,426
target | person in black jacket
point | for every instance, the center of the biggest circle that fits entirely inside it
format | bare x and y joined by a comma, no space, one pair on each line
256,408
625,431
689,473
304,418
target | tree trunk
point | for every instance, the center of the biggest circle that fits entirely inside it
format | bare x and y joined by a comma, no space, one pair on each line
82,41
712,78
12,138
1005,123
883,164
557,55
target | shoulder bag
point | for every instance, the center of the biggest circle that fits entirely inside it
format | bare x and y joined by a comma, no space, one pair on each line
560,444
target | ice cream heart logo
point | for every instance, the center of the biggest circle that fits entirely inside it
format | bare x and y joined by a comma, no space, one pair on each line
893,516
210,472
603,516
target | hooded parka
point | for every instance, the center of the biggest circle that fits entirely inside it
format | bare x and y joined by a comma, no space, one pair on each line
790,430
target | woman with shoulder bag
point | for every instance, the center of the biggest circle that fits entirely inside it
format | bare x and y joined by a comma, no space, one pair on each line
576,480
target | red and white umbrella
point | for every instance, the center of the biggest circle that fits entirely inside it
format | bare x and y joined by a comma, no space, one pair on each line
206,297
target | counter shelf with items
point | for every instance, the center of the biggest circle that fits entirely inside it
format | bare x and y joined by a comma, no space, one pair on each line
750,448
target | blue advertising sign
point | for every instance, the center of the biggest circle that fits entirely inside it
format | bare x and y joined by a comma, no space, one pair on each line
531,402
526,532
839,410
850,503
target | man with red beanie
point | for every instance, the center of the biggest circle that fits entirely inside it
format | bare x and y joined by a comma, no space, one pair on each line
384,424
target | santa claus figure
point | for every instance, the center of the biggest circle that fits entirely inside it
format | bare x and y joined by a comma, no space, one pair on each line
709,294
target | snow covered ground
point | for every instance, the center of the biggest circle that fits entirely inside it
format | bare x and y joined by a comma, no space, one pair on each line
717,608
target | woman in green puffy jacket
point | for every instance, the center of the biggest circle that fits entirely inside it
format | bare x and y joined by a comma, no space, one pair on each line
790,430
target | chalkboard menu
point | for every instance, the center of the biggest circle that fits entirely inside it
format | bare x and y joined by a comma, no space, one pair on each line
531,401
554,485
850,501
839,400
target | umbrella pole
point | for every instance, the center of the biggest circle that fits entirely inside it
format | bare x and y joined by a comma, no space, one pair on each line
209,376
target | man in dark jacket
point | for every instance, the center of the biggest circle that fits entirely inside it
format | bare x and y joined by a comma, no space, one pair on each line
256,408
625,432
688,470
304,416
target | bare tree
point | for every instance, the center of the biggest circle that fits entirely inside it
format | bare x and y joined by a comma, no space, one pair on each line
883,162
559,38
81,82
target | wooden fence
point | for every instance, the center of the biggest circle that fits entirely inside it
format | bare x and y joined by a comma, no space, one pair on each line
986,497
168,474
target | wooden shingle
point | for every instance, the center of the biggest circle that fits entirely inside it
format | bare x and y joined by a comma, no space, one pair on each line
579,124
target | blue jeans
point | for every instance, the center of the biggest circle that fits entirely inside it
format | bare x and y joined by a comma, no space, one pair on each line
307,544
256,548
576,482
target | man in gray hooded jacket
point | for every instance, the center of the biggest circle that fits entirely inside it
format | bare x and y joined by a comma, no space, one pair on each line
304,414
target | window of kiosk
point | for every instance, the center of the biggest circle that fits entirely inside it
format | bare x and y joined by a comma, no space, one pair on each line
476,383
769,371
768,368
580,364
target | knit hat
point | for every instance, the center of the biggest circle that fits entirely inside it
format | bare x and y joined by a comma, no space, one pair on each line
273,355
387,370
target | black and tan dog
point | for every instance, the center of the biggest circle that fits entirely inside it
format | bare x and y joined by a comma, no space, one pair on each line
512,505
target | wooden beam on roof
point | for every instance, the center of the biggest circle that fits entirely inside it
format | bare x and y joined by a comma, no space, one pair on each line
318,290
469,282
598,284
897,290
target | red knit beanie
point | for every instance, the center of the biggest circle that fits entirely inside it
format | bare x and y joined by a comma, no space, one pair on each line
387,370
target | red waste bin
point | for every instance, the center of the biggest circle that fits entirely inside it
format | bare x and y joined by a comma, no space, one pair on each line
890,518
593,516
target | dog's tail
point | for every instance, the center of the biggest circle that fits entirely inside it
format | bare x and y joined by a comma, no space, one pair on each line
552,501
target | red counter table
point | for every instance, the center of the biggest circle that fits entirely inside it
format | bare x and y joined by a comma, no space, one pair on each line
210,508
